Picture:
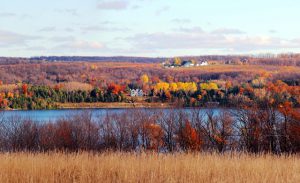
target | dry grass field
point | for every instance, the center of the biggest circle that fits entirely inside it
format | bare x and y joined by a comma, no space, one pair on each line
113,105
49,73
126,167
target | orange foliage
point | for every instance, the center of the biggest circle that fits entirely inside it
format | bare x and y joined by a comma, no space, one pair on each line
57,87
189,137
241,90
168,95
219,139
199,97
115,88
286,108
228,84
10,95
154,134
3,102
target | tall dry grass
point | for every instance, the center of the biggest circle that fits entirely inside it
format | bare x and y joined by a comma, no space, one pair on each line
128,167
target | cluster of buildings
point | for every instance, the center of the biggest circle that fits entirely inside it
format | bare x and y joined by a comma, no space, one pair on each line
185,63
136,93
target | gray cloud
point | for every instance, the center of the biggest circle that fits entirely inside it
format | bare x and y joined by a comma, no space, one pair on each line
62,39
107,23
162,10
227,31
181,20
69,29
79,46
103,29
219,40
6,14
72,12
8,38
113,5
190,29
48,29
135,7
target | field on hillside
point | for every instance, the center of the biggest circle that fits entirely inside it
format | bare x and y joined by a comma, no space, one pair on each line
127,167
48,73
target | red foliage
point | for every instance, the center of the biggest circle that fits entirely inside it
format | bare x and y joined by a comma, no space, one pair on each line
189,138
115,88
241,90
63,135
25,89
57,87
286,108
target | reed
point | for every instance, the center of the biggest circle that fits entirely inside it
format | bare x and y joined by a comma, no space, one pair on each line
147,167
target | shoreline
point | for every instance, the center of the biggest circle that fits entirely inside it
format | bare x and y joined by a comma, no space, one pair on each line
112,105
117,105
102,105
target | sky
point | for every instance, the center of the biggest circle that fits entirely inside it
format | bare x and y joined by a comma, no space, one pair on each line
151,28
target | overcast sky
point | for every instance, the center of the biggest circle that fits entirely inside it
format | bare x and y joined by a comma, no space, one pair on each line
148,27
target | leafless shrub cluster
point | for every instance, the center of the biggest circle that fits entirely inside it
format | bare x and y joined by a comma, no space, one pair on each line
171,130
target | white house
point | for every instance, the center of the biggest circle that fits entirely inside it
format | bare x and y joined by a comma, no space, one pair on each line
136,93
204,63
187,64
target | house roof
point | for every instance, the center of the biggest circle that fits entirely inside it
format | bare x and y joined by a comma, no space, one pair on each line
186,62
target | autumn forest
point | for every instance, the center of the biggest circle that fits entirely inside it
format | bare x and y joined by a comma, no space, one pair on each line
259,102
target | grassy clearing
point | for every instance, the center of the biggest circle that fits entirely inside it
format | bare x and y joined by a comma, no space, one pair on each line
128,167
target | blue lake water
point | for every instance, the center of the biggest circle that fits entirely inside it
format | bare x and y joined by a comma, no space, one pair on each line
52,115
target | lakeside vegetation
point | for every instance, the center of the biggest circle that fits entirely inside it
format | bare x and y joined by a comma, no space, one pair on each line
148,167
266,118
41,84
257,141
176,94
252,130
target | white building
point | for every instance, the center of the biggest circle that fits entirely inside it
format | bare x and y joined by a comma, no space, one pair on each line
205,63
136,93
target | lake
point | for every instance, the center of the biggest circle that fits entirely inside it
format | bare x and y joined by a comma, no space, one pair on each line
52,115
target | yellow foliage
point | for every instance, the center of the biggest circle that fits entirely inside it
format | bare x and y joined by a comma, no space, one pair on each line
93,67
145,78
204,86
177,61
173,87
192,87
209,86
213,86
161,86
187,87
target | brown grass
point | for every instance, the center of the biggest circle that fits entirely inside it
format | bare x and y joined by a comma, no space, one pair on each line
122,167
112,105
242,68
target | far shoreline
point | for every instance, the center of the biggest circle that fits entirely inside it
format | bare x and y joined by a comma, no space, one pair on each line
114,105
119,105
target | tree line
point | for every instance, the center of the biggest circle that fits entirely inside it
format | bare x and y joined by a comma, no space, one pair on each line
179,94
249,128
